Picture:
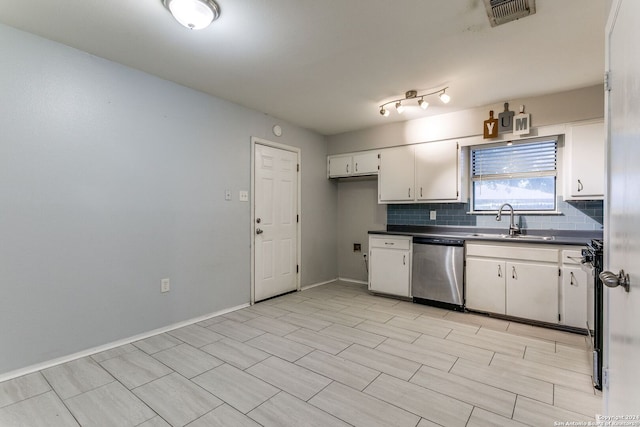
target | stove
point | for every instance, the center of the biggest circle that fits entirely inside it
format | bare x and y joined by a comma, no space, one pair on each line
592,258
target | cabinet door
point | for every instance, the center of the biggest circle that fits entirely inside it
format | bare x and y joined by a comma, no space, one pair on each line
396,177
485,285
574,296
340,166
587,161
532,291
365,164
389,271
437,174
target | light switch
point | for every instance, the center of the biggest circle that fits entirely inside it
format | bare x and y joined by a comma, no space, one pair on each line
243,196
227,195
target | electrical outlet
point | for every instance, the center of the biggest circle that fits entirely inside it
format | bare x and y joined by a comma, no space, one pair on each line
432,215
357,247
165,285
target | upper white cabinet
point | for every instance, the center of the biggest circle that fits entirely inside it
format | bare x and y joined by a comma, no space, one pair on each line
585,162
396,180
428,172
356,164
437,172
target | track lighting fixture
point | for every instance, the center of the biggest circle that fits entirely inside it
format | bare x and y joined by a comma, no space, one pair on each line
444,97
193,14
413,94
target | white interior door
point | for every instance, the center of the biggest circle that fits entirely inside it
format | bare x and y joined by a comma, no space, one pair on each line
275,222
622,247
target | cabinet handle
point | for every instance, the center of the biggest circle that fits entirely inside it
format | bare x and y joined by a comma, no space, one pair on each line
404,260
420,191
514,275
389,243
580,186
573,280
356,167
499,271
347,168
409,192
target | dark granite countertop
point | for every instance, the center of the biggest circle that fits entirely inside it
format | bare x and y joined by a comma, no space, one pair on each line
555,237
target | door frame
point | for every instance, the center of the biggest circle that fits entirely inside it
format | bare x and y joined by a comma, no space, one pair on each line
252,226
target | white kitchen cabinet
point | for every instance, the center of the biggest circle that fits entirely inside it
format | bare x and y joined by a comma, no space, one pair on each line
518,280
574,288
437,171
340,166
585,162
396,181
485,285
355,164
532,291
390,265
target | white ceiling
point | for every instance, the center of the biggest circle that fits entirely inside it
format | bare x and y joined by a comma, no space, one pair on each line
327,65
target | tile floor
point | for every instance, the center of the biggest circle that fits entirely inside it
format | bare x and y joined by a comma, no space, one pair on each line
333,355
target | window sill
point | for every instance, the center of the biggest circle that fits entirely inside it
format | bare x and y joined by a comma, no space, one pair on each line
507,213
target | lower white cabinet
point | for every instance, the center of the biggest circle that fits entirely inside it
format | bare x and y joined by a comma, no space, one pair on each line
532,291
517,280
390,264
574,288
485,285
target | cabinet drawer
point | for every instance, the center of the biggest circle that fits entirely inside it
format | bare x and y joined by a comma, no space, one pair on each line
514,251
391,242
572,256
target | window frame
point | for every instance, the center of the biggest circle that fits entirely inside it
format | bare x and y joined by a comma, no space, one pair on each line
556,174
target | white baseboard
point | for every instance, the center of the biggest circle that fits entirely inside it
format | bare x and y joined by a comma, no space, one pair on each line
88,352
313,285
346,279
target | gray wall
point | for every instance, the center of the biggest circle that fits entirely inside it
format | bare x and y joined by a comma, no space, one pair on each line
359,212
111,179
564,107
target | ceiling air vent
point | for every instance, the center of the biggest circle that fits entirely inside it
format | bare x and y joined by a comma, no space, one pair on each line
503,11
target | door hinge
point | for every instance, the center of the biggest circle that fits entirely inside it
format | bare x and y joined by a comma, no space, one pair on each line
297,268
559,317
607,81
298,167
559,273
297,218
605,378
378,155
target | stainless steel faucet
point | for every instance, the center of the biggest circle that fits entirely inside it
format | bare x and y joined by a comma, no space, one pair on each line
514,230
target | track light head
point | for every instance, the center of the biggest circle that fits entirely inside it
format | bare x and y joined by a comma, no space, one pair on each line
399,107
423,104
444,97
384,112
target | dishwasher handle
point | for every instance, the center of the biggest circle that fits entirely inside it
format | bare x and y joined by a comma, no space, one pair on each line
437,241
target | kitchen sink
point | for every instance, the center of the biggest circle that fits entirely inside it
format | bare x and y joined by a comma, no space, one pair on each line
526,237
506,236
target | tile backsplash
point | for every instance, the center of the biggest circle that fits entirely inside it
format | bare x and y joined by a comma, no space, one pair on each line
578,215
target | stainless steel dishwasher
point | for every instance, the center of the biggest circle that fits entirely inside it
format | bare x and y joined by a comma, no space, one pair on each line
437,272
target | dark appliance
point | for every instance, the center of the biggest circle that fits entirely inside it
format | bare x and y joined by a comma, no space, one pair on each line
592,257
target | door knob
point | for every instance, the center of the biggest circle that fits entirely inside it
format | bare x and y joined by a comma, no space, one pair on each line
611,280
258,220
258,231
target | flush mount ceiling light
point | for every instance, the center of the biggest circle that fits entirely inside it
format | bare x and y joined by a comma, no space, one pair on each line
193,14
413,94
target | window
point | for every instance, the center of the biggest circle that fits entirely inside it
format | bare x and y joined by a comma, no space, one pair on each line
521,174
